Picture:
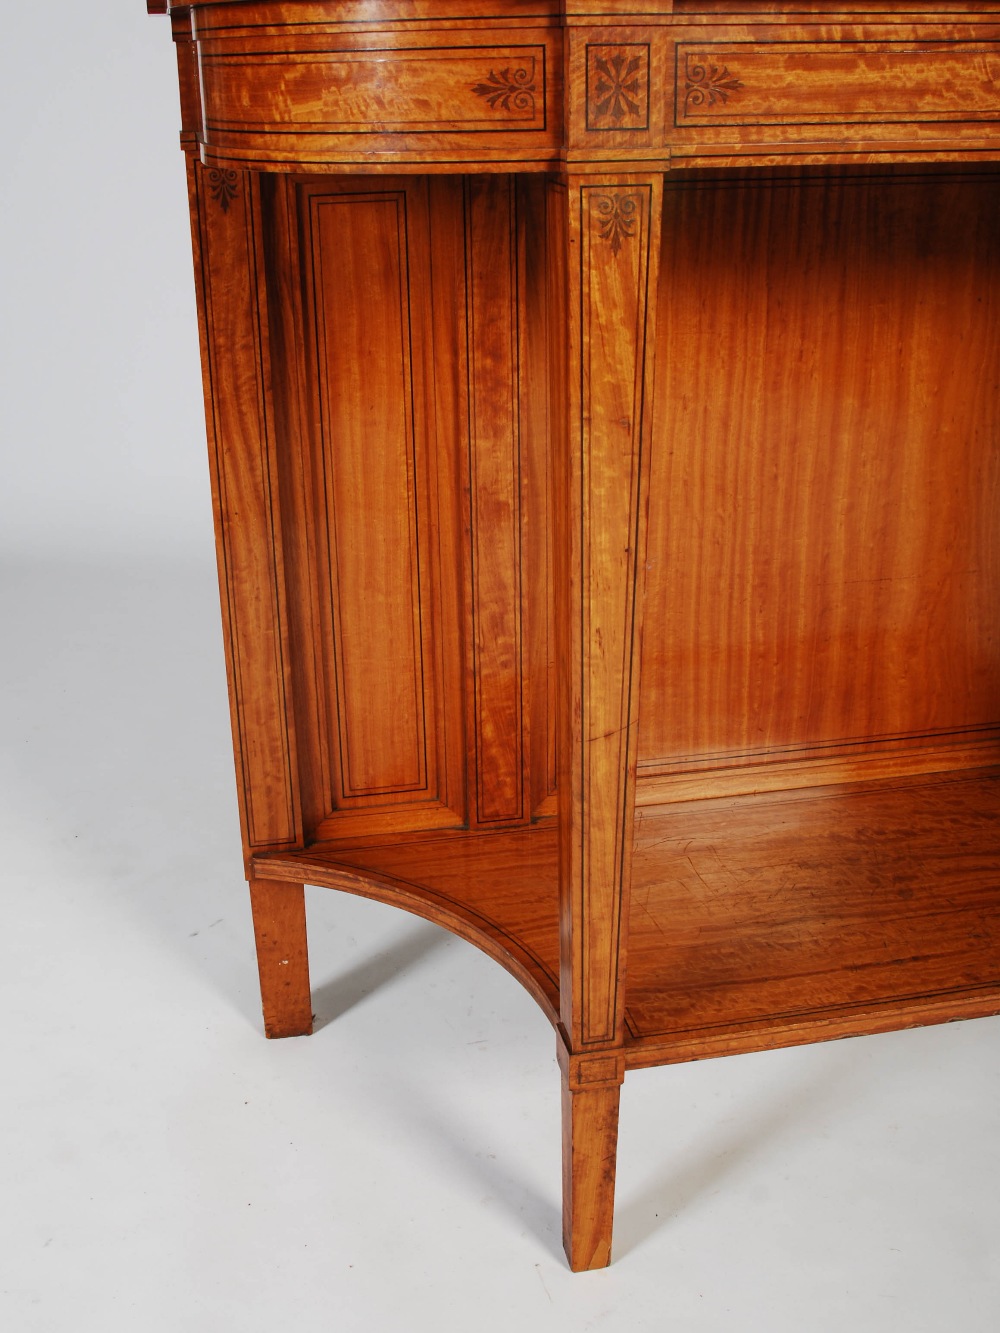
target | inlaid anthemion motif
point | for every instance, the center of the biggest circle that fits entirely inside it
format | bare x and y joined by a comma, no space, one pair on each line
510,89
617,215
707,85
617,87
223,186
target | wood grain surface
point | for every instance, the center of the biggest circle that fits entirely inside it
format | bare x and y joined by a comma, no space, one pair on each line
496,567
612,228
824,565
417,496
225,227
279,923
500,890
591,1095
791,917
840,82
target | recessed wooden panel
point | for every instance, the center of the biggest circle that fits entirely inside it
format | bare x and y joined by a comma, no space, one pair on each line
540,322
824,562
372,489
499,715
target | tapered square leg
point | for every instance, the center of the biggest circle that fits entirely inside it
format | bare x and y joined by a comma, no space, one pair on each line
591,1091
606,224
279,923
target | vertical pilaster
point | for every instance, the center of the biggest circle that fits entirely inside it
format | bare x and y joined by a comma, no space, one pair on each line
233,319
498,713
612,223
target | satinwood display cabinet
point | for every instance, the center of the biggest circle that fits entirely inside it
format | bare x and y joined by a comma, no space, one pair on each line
604,417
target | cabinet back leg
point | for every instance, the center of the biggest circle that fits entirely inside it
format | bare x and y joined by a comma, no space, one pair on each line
590,1150
279,923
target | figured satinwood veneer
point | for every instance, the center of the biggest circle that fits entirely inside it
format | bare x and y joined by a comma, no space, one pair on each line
603,403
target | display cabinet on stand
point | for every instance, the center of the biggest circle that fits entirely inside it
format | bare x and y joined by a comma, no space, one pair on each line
604,423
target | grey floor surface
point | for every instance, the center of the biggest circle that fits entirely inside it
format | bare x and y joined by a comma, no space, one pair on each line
166,1168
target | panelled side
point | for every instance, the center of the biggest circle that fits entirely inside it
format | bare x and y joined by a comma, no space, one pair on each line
413,401
386,691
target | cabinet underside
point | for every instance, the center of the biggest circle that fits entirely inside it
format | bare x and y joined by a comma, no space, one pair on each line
819,736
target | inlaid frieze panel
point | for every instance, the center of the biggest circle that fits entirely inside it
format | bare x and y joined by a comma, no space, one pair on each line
404,90
840,82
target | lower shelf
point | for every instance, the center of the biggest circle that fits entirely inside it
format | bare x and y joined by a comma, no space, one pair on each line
788,917
756,921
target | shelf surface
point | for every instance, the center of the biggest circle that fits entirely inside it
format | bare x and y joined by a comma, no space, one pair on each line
756,921
767,920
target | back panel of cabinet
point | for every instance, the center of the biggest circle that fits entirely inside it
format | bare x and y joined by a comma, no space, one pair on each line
823,575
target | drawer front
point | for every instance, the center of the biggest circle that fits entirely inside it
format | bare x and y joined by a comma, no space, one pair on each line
835,83
481,89
390,96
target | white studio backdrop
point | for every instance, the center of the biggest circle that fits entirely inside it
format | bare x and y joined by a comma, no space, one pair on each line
101,418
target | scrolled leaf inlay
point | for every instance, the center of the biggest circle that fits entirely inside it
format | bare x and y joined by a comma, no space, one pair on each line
510,89
616,218
223,186
707,85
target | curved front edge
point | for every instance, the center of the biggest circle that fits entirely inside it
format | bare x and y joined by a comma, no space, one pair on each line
503,943
396,89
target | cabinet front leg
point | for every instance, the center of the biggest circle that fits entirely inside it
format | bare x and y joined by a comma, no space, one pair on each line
608,228
279,923
591,1090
